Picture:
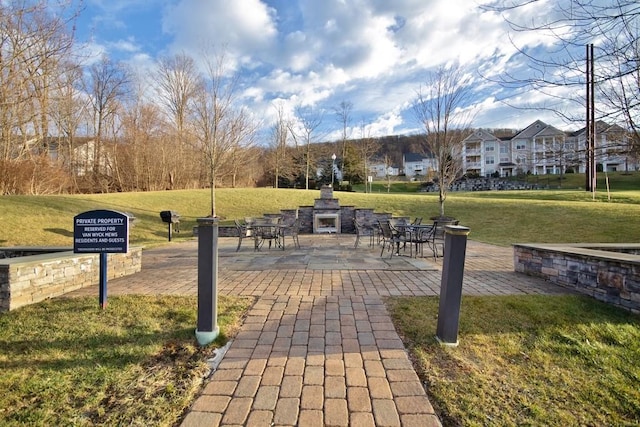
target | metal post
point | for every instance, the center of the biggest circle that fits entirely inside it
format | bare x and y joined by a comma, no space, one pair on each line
333,168
207,330
169,230
103,280
455,245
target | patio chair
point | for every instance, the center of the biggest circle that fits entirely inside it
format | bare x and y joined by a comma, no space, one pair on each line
363,229
406,234
291,230
438,236
396,222
390,238
421,235
243,231
268,230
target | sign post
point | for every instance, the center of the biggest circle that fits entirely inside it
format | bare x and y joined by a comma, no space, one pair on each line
207,326
455,246
101,232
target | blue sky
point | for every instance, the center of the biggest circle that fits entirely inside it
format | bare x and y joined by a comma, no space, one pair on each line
374,54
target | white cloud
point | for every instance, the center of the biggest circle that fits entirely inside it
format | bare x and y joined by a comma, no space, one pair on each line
243,27
128,45
373,53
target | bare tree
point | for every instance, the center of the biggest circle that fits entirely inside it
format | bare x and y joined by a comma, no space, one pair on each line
309,123
220,124
50,47
34,43
366,147
442,108
343,116
69,109
177,84
107,86
147,154
612,26
387,165
279,140
241,156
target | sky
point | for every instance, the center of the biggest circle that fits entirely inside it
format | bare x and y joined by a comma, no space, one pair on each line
374,54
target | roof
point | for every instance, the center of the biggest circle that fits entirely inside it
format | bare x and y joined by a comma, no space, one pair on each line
531,130
601,127
413,158
480,135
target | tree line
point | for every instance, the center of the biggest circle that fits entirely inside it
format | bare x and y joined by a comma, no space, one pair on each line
70,123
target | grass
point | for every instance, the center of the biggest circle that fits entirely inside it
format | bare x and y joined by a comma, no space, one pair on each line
527,360
498,217
66,362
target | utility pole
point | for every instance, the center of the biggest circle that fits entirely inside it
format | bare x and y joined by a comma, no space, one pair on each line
590,135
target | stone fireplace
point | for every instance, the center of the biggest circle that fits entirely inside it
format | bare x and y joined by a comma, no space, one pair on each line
326,213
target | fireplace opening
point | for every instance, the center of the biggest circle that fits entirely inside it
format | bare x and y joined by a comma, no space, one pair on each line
326,223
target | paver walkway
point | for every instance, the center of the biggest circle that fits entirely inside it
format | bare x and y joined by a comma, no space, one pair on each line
318,347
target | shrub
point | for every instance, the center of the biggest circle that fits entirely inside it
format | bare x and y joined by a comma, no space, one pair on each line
36,176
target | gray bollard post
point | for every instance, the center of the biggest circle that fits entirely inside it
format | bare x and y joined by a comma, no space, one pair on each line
455,245
207,330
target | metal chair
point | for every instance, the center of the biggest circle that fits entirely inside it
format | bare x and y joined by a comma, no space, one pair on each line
363,229
243,231
389,238
438,236
270,232
421,235
291,230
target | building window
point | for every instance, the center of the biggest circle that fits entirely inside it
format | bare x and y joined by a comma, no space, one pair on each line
489,148
489,160
521,146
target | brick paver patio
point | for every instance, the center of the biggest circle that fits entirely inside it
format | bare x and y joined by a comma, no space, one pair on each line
318,347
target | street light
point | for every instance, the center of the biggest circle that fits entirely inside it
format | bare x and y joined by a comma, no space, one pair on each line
333,167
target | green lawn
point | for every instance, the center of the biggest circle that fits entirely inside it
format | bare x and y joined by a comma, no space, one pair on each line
527,360
530,360
66,362
499,217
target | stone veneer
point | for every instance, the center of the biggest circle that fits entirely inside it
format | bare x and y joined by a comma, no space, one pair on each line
325,204
29,279
305,213
607,272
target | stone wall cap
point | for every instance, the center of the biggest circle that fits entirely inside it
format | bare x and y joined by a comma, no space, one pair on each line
592,250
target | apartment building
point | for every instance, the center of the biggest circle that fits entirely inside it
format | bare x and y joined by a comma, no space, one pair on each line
414,164
542,149
380,170
613,148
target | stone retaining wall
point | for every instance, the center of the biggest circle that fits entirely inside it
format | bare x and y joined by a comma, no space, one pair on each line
30,279
607,272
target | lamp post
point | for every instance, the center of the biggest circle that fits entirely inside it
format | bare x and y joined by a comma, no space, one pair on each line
333,167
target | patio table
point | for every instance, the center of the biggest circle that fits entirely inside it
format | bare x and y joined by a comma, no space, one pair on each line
266,229
416,234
